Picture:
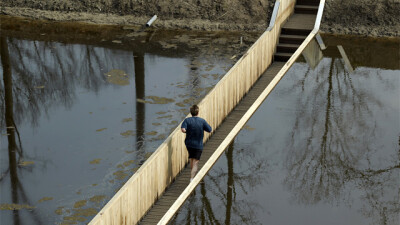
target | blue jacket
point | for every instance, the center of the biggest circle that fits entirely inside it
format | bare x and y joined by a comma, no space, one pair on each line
195,127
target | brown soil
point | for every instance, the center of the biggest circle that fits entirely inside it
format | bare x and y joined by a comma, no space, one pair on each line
187,14
360,17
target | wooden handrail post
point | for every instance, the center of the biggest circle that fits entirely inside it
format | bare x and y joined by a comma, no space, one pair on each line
274,15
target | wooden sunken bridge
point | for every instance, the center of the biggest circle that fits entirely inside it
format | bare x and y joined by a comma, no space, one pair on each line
161,185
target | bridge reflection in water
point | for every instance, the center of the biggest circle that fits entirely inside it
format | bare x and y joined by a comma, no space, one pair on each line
324,148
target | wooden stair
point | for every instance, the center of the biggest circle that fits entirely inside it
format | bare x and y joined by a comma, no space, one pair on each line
296,29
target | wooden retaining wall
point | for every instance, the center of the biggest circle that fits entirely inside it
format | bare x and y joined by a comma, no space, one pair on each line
141,191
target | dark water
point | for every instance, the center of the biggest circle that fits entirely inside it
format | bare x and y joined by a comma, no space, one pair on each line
80,111
324,148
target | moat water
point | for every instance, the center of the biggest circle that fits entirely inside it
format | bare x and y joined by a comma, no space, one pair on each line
81,111
323,148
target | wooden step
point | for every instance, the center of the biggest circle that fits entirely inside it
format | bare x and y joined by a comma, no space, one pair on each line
287,48
292,39
282,56
295,31
307,2
306,9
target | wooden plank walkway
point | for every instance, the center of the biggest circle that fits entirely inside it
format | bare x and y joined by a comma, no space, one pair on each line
297,23
176,188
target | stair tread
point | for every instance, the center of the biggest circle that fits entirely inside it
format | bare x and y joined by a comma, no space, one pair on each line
288,45
306,6
283,54
303,2
293,36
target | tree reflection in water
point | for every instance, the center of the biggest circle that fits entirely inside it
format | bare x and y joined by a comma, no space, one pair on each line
334,144
36,77
49,78
338,154
18,193
220,188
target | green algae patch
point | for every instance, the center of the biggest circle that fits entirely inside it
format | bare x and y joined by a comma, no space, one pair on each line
129,162
148,154
26,163
97,199
215,76
120,166
180,104
95,161
142,100
85,212
152,133
128,133
162,117
74,219
129,152
133,170
94,185
80,203
126,120
159,137
59,211
118,77
13,206
120,175
160,100
156,124
160,113
67,223
247,127
45,199
189,100
173,122
101,129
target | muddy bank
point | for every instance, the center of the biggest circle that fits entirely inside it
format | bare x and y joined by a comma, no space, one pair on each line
359,17
187,14
362,17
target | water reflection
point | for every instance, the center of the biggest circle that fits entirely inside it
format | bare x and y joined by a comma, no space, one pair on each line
337,141
140,94
220,200
15,151
332,142
84,133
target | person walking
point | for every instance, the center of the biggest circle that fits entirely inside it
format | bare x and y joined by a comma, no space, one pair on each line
194,128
